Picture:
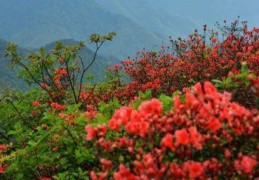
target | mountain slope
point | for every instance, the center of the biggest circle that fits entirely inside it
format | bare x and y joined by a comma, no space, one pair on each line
150,16
8,76
54,19
138,23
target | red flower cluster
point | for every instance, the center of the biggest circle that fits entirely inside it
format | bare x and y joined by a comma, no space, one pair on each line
198,138
59,75
57,106
194,60
134,121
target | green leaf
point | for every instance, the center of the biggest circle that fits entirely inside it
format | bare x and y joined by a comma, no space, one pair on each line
31,143
146,95
167,102
72,108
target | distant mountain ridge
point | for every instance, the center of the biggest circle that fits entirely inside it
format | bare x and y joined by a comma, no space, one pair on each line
138,23
8,77
54,19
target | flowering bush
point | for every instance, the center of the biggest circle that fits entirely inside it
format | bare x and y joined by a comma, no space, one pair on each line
204,135
193,60
60,72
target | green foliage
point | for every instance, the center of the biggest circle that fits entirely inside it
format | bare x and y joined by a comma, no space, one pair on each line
54,145
167,102
107,109
240,86
142,97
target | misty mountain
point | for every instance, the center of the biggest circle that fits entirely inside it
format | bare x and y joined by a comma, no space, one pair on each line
138,23
33,24
8,76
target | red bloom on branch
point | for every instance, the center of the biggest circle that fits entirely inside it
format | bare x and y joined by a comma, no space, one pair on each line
114,125
123,114
195,137
152,107
182,136
57,106
247,163
123,173
120,117
214,124
195,169
2,147
227,154
91,132
167,142
137,128
35,103
209,88
107,163
44,85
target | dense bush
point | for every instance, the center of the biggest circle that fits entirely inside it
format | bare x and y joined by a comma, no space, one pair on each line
203,135
193,60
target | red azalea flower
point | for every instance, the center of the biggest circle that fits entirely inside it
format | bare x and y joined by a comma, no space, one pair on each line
83,95
227,154
137,128
182,136
123,114
91,132
35,103
114,124
57,106
177,102
93,175
152,107
43,85
214,124
195,169
123,173
107,163
167,142
209,88
248,164
195,137
2,147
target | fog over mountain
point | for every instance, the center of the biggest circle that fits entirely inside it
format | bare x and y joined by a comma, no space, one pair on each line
139,23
